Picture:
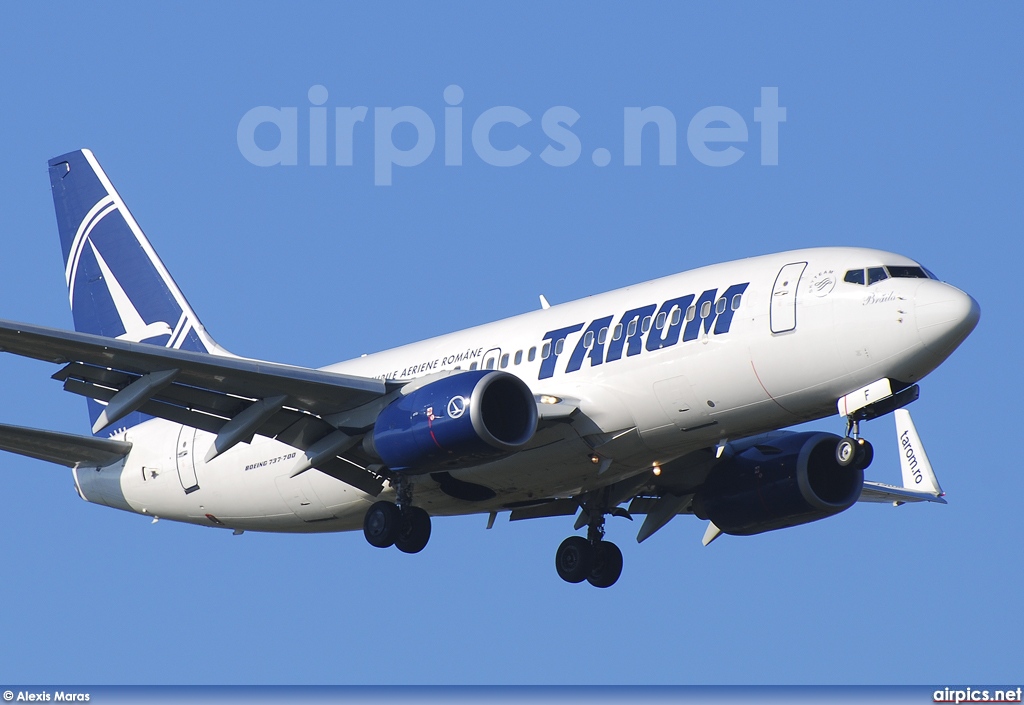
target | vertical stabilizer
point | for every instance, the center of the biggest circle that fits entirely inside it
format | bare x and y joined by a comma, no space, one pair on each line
117,285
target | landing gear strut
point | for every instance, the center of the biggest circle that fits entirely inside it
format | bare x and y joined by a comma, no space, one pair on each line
401,525
593,559
854,450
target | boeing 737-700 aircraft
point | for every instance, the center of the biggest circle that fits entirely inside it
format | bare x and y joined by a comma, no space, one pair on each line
660,399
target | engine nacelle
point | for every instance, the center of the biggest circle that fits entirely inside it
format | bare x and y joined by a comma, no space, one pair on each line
793,480
455,422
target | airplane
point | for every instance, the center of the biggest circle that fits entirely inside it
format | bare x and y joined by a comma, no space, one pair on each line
665,398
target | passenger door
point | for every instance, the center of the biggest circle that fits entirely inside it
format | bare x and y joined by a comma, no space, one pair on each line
783,308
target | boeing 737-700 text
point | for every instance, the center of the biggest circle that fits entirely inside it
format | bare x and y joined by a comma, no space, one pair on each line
659,399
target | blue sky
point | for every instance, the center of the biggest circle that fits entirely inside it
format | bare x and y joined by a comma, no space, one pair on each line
901,132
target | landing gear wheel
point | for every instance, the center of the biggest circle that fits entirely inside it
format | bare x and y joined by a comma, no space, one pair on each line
574,559
381,524
607,565
865,454
413,531
846,452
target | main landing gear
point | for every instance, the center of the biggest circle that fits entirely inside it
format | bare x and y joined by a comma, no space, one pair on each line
593,559
854,450
401,525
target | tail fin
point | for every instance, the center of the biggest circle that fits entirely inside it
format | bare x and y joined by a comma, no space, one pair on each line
117,285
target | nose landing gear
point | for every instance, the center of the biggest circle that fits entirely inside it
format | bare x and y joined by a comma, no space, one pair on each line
854,450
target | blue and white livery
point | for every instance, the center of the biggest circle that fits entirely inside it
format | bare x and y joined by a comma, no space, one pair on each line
660,399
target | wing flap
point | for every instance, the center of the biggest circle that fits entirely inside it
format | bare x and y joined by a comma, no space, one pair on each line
65,449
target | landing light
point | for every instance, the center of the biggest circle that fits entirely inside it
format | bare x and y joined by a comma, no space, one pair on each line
548,399
657,470
595,458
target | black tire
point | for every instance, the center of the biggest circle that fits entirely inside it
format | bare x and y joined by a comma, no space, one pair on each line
574,559
865,454
607,565
846,452
381,524
414,531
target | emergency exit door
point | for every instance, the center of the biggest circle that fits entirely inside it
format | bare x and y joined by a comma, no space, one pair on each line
783,309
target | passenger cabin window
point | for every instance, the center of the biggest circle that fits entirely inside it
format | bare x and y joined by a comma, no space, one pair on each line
472,366
720,306
490,363
677,315
736,302
588,339
519,357
691,313
532,355
504,361
617,332
659,323
545,352
705,309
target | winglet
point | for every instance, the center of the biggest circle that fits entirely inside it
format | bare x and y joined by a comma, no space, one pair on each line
712,533
917,469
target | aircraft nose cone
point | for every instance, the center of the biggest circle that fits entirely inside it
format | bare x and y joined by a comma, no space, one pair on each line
945,315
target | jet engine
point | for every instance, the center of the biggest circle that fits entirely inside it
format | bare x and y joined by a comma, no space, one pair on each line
793,480
455,422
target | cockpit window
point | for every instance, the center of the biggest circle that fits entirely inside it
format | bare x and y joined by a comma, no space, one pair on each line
907,272
854,276
876,274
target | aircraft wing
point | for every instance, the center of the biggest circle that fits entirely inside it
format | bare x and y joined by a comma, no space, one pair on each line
62,448
232,397
315,391
882,493
919,481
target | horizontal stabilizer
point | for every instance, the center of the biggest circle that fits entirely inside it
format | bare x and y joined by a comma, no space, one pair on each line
65,449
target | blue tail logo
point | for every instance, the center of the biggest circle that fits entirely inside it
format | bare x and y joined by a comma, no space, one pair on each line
117,285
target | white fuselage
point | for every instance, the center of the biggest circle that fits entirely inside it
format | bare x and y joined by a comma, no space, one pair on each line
799,338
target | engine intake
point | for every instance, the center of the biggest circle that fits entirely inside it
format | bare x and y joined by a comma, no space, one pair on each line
793,481
455,422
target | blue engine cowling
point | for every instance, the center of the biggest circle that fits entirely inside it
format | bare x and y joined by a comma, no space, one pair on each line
455,422
789,481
